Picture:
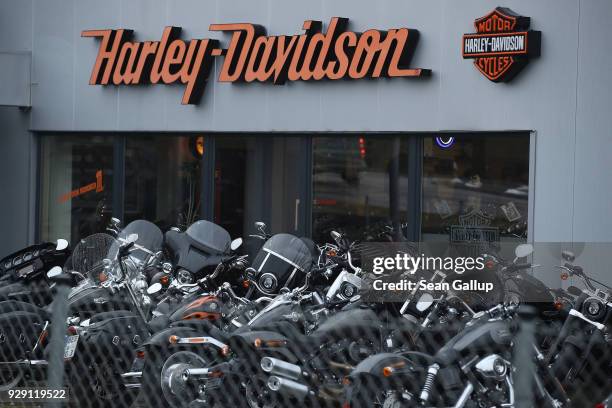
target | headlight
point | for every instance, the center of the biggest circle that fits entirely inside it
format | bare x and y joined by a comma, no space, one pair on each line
348,290
184,277
593,307
268,282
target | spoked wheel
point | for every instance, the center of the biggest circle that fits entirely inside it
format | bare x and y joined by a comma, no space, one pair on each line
177,389
9,377
258,395
98,384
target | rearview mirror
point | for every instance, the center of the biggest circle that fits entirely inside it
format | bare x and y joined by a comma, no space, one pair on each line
61,244
523,250
237,243
261,226
154,288
568,256
53,272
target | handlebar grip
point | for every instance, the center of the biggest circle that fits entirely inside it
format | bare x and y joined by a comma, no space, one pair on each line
518,267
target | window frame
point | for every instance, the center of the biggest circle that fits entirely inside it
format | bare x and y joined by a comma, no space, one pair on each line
415,169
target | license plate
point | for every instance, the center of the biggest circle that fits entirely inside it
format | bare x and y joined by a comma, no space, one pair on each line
71,345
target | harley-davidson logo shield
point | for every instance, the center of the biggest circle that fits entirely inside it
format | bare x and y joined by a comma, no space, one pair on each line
502,44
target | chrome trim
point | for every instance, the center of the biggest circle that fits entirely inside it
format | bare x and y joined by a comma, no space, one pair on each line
276,254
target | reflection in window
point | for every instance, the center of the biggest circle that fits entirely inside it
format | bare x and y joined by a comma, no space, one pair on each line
77,184
162,179
360,184
480,182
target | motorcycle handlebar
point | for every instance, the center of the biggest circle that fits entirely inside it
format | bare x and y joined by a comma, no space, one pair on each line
518,267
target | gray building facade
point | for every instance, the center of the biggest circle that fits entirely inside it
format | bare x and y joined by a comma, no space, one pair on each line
558,108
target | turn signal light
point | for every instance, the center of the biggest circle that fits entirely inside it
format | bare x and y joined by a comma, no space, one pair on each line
246,283
173,339
225,350
346,381
275,343
72,330
564,276
140,354
388,371
102,277
216,374
257,343
164,280
558,305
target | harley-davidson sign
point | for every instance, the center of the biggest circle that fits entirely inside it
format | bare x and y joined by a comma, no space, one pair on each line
251,56
502,44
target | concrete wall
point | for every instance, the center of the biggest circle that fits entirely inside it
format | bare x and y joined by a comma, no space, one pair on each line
16,143
564,96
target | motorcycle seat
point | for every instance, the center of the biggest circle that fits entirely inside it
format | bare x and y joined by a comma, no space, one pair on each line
9,306
158,323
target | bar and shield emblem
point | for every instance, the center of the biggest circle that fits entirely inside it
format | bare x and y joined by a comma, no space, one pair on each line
502,44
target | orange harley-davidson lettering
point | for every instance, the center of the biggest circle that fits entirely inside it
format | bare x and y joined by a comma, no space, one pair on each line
252,56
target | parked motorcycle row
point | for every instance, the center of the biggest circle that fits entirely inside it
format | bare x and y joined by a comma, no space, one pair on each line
189,319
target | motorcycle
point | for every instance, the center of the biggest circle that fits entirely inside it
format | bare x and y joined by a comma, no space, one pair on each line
25,327
474,368
201,252
583,346
23,274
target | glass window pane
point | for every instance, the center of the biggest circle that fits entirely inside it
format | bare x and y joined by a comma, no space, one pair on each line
76,185
260,178
360,183
480,182
162,179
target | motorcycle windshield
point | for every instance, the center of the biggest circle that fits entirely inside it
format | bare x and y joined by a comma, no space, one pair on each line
88,255
289,249
149,236
209,237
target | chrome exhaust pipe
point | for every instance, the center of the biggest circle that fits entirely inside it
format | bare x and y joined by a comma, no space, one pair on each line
288,387
132,374
281,368
195,373
26,363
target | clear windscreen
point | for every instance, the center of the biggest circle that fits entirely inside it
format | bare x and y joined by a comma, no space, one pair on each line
88,255
290,249
209,235
149,237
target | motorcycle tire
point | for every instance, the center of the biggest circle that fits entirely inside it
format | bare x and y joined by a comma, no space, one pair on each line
159,360
95,384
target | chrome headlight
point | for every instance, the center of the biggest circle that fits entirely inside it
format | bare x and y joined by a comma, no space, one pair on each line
348,290
268,282
184,277
593,308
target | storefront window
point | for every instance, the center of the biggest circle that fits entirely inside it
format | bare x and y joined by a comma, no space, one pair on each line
360,185
477,188
77,185
260,178
474,188
162,179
